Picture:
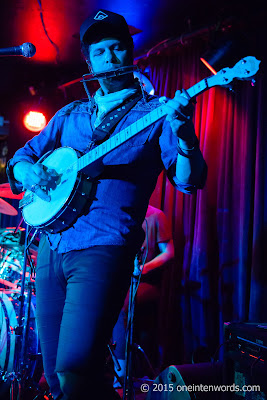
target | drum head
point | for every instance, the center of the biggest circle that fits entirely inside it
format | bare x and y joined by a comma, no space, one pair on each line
9,312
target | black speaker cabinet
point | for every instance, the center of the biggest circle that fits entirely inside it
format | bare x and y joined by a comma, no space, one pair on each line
245,361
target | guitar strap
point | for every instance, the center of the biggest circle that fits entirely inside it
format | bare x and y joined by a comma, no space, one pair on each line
104,130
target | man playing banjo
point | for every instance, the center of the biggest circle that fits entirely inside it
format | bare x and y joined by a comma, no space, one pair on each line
84,269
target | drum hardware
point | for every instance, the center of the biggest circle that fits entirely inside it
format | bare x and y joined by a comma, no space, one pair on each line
10,265
11,337
19,343
12,237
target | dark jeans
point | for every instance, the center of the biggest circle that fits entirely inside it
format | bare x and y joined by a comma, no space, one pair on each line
79,296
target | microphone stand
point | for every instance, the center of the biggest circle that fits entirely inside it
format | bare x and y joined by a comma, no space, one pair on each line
128,380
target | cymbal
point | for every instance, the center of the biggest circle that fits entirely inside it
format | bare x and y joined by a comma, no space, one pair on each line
5,191
6,208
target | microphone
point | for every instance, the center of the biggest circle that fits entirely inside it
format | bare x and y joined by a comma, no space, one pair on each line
25,50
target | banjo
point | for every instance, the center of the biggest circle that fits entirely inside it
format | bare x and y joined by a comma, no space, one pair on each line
73,189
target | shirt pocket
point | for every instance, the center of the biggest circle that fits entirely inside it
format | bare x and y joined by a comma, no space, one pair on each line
140,138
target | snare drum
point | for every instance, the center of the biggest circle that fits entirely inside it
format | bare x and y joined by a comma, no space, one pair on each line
9,314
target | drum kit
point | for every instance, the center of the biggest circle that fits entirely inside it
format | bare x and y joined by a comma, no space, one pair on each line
19,344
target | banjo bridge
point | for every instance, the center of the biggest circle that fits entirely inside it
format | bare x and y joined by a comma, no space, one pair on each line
27,199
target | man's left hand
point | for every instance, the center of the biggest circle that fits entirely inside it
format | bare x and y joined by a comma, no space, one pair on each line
179,111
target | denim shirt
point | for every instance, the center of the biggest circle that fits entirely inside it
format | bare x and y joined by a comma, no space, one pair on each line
128,179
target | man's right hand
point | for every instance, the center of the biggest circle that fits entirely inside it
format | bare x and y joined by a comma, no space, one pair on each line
32,177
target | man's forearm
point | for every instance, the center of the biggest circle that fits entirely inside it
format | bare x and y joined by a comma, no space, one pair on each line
20,169
190,162
166,254
157,262
190,170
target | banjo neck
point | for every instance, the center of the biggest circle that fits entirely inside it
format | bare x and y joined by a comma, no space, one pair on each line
244,69
121,137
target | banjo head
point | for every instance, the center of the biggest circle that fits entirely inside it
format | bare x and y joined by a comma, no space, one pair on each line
38,212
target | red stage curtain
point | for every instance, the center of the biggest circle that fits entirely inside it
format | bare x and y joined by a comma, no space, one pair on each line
220,233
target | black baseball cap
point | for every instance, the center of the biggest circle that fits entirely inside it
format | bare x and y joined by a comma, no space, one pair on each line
103,23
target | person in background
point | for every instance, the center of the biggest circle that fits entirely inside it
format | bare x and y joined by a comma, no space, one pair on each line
158,246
